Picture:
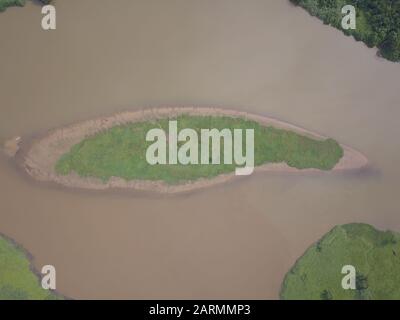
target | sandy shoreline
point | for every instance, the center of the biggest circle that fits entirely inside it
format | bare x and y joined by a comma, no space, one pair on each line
42,154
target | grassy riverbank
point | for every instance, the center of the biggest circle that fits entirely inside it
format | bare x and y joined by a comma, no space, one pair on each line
17,281
375,255
378,22
4,4
121,151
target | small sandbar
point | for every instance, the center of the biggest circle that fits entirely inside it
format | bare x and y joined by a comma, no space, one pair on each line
40,157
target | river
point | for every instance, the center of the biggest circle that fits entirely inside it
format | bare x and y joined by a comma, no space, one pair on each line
235,240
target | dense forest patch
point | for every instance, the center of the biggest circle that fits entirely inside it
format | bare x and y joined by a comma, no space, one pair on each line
378,22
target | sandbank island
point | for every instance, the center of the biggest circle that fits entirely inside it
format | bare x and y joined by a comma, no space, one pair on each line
110,152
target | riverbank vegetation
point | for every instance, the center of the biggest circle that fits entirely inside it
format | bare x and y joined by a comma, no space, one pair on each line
17,281
4,4
374,254
378,22
121,151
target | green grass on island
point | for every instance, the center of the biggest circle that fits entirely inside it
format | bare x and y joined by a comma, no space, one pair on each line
121,151
4,4
374,254
377,23
17,281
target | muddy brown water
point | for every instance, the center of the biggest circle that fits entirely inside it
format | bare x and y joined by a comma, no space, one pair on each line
236,240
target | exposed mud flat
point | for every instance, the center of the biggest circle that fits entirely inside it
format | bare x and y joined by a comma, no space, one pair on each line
12,146
41,159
